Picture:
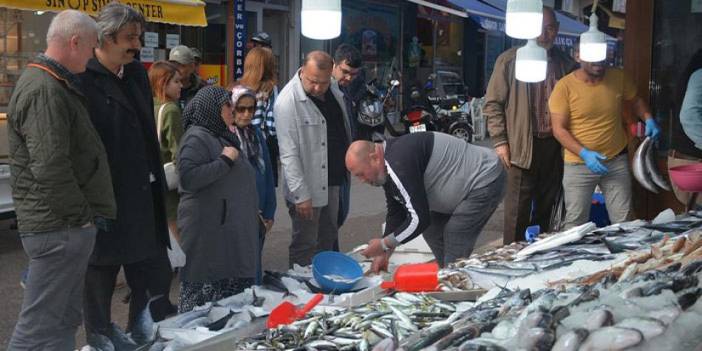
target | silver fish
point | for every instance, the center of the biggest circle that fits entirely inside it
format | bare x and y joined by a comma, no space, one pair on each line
649,327
571,340
598,319
639,168
612,338
652,169
666,315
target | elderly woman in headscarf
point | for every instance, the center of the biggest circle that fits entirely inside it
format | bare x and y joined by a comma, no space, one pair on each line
218,210
254,148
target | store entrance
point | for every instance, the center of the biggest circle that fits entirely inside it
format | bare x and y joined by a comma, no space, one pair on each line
260,17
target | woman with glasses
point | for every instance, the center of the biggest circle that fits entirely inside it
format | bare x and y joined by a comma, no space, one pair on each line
255,150
218,210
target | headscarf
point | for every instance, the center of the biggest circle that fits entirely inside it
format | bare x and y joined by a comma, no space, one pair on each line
250,144
205,110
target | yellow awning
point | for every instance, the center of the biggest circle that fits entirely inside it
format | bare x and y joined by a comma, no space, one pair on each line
181,12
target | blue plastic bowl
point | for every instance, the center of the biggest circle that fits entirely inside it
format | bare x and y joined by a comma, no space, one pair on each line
337,264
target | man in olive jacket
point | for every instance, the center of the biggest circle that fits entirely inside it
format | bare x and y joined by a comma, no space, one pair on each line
520,128
121,109
60,181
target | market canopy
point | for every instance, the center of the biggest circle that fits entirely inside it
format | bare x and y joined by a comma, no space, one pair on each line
490,14
180,12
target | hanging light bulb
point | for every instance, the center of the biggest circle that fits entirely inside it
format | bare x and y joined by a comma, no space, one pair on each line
321,19
523,19
531,63
593,46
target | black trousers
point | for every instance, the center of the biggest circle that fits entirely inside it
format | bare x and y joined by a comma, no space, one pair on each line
148,278
541,184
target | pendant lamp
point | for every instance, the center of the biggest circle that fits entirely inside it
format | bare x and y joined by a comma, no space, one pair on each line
531,63
593,46
321,19
524,18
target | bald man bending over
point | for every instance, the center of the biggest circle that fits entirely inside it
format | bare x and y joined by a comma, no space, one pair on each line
436,185
313,135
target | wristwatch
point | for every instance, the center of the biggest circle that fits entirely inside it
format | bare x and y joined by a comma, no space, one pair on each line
383,245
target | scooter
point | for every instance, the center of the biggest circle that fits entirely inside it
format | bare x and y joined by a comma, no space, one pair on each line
371,113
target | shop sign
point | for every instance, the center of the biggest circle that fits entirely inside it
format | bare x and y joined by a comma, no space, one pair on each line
491,24
175,12
147,54
151,39
564,41
239,38
172,40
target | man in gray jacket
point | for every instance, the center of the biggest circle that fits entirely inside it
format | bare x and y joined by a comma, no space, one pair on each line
61,184
313,135
436,185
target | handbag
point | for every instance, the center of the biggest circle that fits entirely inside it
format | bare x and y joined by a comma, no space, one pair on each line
169,168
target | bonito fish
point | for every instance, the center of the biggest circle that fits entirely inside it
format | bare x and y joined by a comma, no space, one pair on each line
645,169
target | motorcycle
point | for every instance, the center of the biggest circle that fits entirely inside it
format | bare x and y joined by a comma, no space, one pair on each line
371,113
419,117
446,94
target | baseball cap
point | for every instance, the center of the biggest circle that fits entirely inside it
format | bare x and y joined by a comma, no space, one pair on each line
262,38
181,54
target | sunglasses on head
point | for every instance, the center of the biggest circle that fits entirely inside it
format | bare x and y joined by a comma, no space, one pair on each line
242,109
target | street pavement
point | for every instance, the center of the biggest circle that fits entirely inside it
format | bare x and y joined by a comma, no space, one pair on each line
364,222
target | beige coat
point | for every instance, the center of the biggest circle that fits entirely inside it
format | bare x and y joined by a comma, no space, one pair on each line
508,111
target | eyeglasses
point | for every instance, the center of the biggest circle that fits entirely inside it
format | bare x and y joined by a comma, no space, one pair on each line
242,109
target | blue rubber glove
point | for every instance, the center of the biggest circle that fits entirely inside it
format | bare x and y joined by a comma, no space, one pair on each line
531,233
592,161
652,129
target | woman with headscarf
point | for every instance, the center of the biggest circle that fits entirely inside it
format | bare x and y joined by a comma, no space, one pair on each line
254,149
218,210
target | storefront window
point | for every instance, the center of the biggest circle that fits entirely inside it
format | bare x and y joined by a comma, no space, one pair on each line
440,37
22,36
375,30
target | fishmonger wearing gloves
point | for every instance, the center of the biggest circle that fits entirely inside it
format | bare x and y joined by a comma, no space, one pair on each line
434,184
586,114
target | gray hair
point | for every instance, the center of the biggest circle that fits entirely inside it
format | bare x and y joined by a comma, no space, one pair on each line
68,23
114,17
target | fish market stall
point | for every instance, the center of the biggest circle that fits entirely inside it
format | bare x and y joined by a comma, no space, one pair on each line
634,284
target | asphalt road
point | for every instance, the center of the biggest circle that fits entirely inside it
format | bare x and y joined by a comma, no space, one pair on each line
366,216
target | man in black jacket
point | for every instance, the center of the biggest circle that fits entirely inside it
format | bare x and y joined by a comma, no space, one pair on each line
121,108
436,185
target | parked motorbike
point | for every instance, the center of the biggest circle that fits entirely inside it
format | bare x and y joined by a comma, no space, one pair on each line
371,113
420,116
446,94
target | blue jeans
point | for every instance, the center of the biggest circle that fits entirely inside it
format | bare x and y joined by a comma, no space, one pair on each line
579,183
51,309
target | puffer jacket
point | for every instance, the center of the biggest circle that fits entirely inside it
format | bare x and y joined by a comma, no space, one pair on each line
59,172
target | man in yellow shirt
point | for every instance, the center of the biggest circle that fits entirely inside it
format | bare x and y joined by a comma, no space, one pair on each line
586,115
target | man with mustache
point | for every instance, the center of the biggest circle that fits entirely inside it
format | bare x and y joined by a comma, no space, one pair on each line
121,108
586,114
436,185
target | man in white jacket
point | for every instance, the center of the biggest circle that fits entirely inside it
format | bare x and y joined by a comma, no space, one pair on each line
313,135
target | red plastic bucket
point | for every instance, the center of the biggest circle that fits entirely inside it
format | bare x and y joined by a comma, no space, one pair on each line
415,278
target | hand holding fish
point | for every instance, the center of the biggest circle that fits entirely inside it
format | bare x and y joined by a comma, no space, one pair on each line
380,254
652,129
592,161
